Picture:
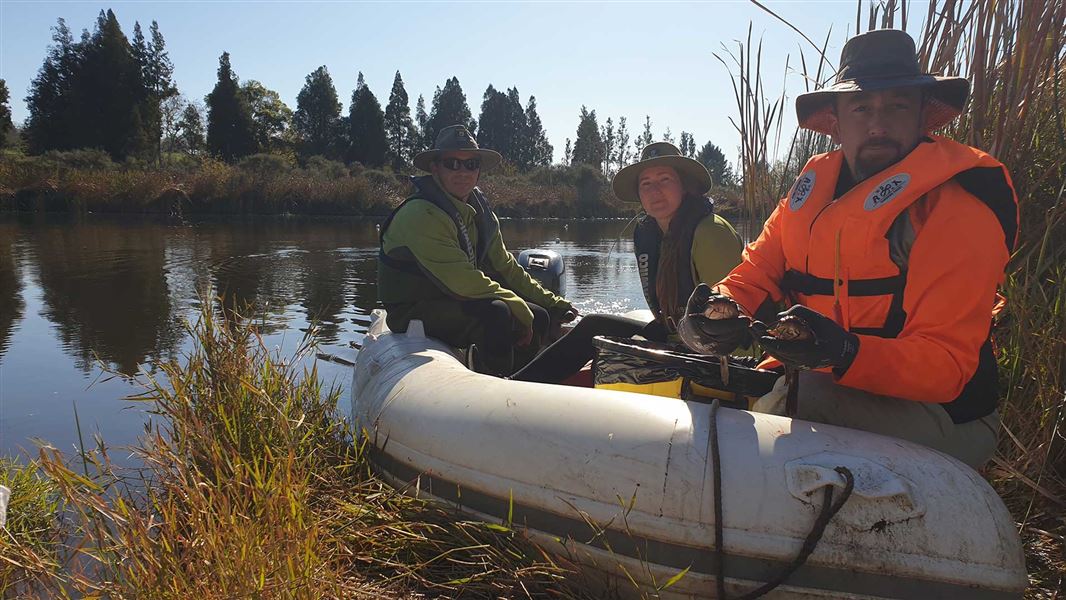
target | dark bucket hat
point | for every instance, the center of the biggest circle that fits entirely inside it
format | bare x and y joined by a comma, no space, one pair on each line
880,60
660,154
457,138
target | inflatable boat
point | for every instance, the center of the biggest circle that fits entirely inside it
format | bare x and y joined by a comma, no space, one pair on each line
666,498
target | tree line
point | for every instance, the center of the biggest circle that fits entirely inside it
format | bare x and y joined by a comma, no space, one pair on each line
109,92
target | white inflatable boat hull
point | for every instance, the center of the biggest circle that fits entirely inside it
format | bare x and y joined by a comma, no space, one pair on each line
919,524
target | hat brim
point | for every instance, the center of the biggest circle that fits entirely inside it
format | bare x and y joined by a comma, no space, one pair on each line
947,99
624,183
490,159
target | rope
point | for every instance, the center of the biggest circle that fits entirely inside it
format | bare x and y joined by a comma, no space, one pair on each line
828,511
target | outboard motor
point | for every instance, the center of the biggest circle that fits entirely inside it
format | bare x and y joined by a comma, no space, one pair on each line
547,267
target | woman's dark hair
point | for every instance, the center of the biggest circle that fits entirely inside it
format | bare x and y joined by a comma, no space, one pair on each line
670,253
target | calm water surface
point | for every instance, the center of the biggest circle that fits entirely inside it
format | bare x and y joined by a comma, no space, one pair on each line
80,297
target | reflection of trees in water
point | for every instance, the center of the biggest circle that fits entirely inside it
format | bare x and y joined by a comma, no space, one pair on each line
271,264
11,304
104,287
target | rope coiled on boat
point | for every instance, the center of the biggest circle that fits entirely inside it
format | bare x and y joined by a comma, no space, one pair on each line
828,511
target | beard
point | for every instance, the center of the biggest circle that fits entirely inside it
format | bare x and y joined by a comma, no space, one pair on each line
866,166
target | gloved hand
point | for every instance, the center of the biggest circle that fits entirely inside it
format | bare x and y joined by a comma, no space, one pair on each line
829,346
570,314
713,323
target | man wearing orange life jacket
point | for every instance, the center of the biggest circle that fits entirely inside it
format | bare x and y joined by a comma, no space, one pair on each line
890,249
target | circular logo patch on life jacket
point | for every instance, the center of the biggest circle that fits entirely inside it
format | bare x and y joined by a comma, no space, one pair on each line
886,191
801,190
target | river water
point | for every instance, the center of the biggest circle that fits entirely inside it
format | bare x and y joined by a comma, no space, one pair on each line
83,299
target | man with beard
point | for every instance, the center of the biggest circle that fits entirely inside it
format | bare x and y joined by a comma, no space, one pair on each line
889,251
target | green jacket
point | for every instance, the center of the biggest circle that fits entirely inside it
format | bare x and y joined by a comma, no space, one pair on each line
422,234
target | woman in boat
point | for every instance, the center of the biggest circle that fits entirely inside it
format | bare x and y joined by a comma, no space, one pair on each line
679,242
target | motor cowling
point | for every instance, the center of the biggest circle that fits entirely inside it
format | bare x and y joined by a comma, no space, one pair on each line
547,267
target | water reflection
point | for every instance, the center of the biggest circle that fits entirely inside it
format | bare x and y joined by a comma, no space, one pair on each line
11,303
119,289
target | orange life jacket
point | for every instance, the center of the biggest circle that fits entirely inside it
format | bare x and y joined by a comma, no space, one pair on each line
848,257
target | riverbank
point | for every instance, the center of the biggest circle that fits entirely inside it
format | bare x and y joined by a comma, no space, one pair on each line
251,487
87,181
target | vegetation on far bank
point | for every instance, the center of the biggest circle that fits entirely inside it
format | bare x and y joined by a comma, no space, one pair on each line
88,181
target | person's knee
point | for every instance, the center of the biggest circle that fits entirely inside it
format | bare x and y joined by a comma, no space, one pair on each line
541,319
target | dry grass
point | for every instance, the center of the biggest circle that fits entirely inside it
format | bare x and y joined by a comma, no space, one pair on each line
251,488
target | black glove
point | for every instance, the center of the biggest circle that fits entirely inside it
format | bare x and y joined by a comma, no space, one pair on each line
712,336
830,346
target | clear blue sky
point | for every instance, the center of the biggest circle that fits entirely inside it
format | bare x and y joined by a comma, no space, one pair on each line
620,58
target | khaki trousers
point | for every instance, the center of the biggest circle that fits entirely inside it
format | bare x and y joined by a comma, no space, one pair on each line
822,400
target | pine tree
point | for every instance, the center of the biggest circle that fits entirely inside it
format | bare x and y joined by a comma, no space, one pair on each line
399,128
5,113
52,120
421,122
190,129
607,135
270,115
621,153
230,128
588,146
369,144
540,150
712,157
517,143
688,145
645,138
449,108
667,136
156,72
568,153
113,102
493,132
317,117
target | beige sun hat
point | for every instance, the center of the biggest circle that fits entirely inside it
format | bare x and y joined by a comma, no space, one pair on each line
660,154
457,138
880,60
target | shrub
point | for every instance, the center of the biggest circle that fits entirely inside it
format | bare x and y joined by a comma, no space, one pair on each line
265,165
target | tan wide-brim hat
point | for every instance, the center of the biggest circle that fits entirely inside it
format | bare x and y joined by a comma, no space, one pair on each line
457,138
882,60
660,154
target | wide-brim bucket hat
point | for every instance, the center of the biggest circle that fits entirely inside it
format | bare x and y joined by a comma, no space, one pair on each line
457,138
880,60
661,154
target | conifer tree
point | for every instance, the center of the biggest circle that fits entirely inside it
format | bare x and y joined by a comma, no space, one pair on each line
668,136
621,153
366,122
317,117
449,108
111,98
5,113
49,98
607,135
712,157
588,146
688,145
540,150
517,143
156,72
645,138
399,128
493,132
568,153
230,128
421,122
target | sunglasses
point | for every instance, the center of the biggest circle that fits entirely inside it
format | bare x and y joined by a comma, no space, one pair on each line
454,164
